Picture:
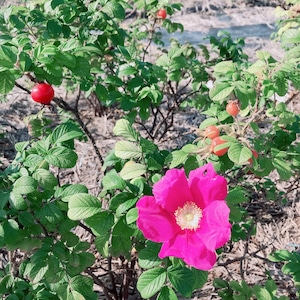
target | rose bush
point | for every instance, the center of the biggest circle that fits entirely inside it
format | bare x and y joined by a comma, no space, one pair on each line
162,215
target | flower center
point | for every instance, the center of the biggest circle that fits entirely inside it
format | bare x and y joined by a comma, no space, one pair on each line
188,216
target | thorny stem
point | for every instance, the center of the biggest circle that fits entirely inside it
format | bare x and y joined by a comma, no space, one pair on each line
65,106
112,278
99,282
151,30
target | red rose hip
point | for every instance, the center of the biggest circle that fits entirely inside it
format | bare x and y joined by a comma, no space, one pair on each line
161,14
42,93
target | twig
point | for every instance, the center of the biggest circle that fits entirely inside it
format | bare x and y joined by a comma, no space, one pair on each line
65,106
99,282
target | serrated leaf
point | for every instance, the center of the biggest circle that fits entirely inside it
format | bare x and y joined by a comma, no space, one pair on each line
37,272
7,82
126,70
51,213
166,293
208,122
178,157
220,91
114,9
224,67
80,282
280,255
131,215
54,28
65,132
283,168
82,206
25,185
45,179
261,293
17,201
182,280
61,157
101,223
239,154
102,244
8,57
148,256
291,36
66,192
127,150
132,170
112,181
236,196
124,128
200,278
151,281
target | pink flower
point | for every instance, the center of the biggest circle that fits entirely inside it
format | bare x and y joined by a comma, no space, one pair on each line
187,215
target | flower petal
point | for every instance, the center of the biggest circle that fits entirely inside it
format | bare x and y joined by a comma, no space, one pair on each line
172,191
157,224
191,250
207,186
215,229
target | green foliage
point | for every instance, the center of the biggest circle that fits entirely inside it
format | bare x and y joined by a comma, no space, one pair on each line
83,45
238,291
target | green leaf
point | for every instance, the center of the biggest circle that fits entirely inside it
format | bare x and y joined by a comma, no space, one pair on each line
178,157
112,181
127,150
25,185
220,91
82,67
207,122
200,278
166,293
151,281
236,195
38,272
114,9
280,256
8,57
66,191
124,128
182,280
239,154
7,82
224,67
65,59
261,293
102,244
65,132
100,223
121,238
283,168
82,206
148,256
17,201
126,70
81,283
132,170
61,157
45,179
131,215
51,213
54,28
291,36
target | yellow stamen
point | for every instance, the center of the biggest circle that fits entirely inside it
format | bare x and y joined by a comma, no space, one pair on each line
188,216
